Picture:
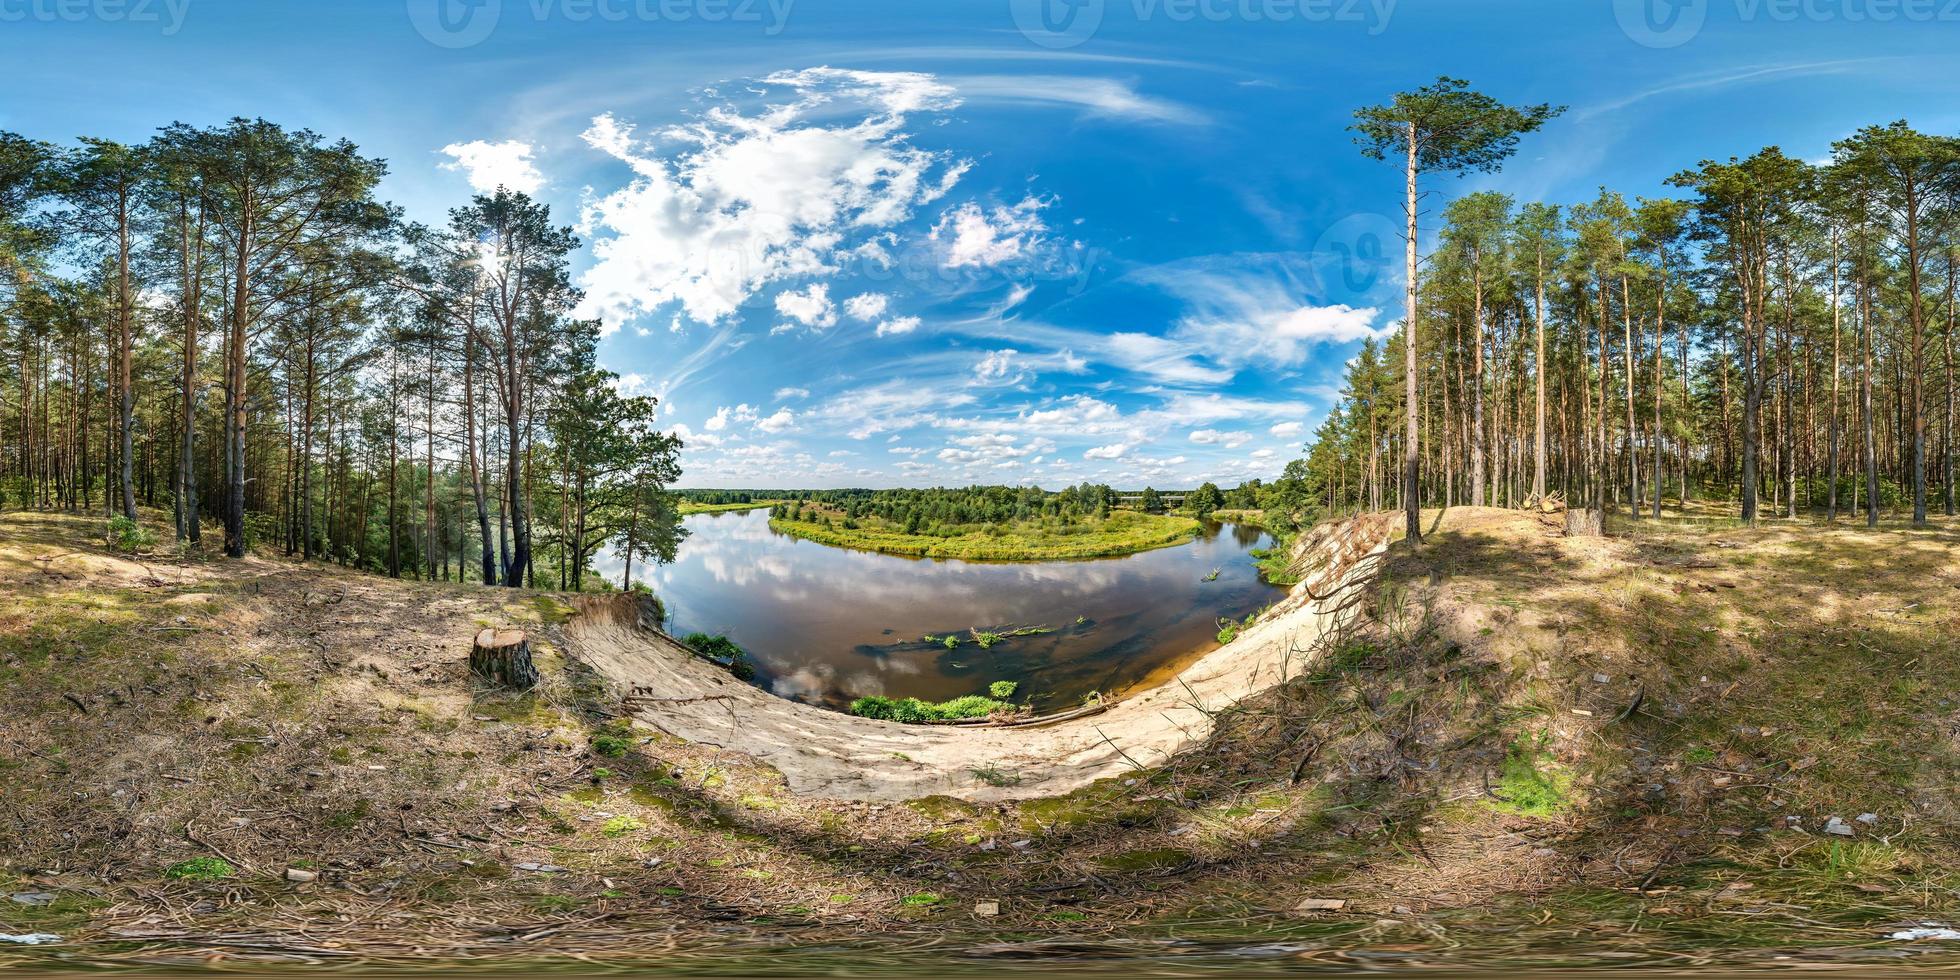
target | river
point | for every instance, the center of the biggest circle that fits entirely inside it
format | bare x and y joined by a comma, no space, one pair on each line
826,625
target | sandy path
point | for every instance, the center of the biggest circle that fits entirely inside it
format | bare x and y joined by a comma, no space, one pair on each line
832,755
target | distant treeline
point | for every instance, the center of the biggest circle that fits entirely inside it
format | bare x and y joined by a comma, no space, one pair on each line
946,509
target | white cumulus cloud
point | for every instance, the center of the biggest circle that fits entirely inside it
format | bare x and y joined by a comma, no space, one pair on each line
973,236
867,306
489,166
899,325
1213,437
996,366
810,307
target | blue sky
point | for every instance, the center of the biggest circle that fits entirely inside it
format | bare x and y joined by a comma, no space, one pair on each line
915,243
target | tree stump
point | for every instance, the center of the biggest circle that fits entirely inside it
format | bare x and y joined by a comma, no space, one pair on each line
1582,522
503,657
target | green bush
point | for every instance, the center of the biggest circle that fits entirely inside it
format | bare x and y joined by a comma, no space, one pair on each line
127,535
1003,689
913,711
722,651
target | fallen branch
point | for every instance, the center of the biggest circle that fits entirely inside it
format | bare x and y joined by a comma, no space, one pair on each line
633,699
190,834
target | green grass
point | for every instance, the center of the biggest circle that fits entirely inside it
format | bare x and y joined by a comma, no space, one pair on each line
1531,784
200,869
1123,533
995,776
1229,630
621,826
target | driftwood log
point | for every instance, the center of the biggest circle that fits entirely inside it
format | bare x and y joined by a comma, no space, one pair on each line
503,657
1582,522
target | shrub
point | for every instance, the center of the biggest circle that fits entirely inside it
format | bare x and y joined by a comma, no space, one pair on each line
127,535
1002,690
722,651
908,710
913,711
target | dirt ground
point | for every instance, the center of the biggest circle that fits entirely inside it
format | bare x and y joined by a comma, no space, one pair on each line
1532,750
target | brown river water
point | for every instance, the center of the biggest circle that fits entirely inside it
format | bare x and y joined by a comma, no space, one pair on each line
826,625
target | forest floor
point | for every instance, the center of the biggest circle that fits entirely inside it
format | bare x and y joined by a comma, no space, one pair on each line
1686,743
1123,532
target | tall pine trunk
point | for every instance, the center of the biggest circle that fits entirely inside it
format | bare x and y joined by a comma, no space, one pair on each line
1411,460
1837,337
125,301
235,393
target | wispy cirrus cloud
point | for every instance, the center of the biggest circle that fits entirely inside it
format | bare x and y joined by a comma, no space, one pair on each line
1100,97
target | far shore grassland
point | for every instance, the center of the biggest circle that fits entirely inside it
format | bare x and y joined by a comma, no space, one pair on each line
1123,532
688,507
1250,517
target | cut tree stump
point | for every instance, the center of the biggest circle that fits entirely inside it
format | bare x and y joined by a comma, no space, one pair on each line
503,657
1582,522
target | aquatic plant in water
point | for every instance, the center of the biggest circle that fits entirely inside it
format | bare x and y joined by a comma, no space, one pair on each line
988,637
